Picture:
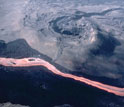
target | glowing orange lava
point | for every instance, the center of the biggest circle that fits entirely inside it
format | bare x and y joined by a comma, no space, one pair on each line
26,62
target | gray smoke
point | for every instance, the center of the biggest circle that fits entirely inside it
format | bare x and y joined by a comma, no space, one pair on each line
86,35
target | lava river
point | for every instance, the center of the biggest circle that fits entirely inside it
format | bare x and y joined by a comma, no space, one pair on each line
26,62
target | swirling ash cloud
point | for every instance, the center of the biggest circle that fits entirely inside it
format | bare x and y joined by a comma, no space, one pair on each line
26,62
66,33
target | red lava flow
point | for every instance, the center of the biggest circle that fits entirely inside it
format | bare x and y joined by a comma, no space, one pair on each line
26,62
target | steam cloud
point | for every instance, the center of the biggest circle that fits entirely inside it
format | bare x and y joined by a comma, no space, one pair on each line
81,36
